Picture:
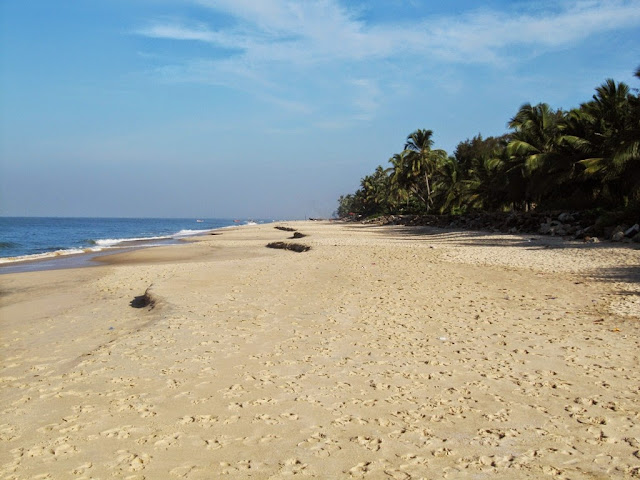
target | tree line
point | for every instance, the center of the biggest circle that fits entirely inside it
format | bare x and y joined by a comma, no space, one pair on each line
584,158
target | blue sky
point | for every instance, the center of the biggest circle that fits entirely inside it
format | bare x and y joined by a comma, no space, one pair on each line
271,108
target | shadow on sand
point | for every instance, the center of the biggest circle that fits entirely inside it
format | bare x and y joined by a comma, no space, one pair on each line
435,236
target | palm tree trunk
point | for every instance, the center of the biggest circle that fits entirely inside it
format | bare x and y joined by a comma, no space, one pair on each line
429,199
416,191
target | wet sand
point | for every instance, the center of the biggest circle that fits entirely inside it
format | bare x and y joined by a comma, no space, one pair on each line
383,352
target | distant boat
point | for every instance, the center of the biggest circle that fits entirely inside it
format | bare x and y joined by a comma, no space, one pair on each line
200,221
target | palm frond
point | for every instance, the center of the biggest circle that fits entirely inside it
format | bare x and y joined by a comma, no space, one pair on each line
593,165
520,147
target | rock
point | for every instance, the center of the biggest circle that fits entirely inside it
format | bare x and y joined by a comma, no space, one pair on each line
610,231
583,232
636,238
617,236
631,232
552,227
545,228
618,229
565,217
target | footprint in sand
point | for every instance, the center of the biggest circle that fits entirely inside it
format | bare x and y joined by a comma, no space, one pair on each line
161,441
233,391
184,471
293,466
8,432
500,416
289,416
119,433
359,470
268,419
242,466
493,437
346,420
259,440
126,460
134,403
82,469
217,443
370,443
205,421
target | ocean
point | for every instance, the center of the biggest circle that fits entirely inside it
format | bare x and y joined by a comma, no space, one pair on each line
60,242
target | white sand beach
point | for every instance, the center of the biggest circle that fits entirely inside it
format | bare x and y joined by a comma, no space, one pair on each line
383,352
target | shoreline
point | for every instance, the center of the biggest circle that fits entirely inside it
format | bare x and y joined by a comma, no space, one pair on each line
381,352
35,243
69,259
91,258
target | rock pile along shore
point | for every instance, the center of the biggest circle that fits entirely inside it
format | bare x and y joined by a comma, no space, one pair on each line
578,225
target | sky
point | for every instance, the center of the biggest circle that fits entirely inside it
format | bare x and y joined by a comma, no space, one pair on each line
272,109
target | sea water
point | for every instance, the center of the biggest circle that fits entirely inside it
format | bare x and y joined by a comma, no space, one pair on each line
51,238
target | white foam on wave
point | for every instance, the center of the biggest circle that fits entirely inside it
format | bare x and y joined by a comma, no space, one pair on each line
110,242
45,255
188,233
101,245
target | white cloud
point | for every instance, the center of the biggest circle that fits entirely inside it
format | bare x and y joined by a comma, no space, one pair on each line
283,46
483,37
323,30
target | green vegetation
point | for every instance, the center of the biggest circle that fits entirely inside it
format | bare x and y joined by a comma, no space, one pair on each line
586,158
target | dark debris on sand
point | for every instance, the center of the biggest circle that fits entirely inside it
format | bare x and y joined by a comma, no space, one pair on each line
295,247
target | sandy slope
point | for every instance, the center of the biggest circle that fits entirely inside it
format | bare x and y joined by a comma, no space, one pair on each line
383,352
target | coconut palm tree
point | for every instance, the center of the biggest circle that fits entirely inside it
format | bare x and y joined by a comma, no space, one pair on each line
535,152
423,162
610,141
626,159
376,192
449,185
537,130
399,182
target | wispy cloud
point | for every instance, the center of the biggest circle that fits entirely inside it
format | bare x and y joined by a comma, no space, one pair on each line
324,30
275,41
484,37
176,31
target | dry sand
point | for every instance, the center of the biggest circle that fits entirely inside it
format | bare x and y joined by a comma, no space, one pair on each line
383,352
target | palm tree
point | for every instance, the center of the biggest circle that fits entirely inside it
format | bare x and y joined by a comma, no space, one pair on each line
487,186
536,134
423,162
449,185
400,189
627,156
534,150
587,157
376,192
610,140
482,173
